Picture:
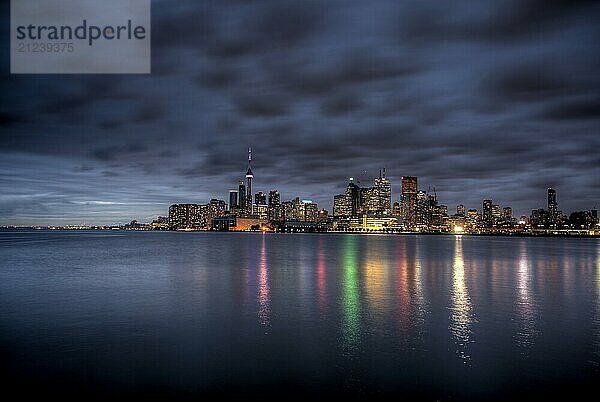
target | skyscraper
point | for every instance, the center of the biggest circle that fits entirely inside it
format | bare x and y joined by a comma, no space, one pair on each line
409,200
242,196
383,189
486,213
233,199
260,198
460,210
249,177
349,203
274,206
552,204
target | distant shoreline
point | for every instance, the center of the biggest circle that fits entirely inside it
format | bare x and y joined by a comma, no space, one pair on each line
560,235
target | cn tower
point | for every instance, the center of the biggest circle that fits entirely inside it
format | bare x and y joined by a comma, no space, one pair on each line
249,177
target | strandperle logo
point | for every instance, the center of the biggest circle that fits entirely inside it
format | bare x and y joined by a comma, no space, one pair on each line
80,36
91,33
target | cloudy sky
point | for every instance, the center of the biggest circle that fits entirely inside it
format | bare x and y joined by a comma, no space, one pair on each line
479,99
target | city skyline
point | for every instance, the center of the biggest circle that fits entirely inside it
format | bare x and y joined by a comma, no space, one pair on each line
248,199
476,106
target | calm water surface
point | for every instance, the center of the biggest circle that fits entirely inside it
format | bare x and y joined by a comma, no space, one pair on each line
438,317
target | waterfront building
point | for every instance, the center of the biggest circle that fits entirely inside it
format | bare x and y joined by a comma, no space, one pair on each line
486,213
409,201
260,198
233,199
274,213
242,197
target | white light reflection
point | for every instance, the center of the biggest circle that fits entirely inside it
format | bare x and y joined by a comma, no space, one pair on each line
525,303
461,316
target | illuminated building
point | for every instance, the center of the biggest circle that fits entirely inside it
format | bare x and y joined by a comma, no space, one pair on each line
396,211
383,190
233,199
460,210
366,223
507,213
260,198
496,211
291,209
487,213
439,213
472,221
322,216
368,201
261,211
348,204
339,204
242,196
309,211
423,211
552,204
185,216
274,213
409,200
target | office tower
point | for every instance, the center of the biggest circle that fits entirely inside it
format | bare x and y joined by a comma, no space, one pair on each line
383,189
369,202
233,199
261,211
291,210
552,204
339,204
507,213
352,199
409,200
396,210
349,203
185,216
308,211
460,210
242,196
260,198
274,213
422,211
472,219
487,213
496,211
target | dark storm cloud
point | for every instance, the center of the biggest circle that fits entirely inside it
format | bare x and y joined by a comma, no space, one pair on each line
340,104
267,26
112,153
489,21
528,83
11,119
479,99
581,108
216,78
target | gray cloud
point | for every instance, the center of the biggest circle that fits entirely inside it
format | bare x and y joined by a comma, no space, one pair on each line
488,99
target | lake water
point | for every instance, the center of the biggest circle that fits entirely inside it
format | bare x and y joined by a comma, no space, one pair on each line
432,317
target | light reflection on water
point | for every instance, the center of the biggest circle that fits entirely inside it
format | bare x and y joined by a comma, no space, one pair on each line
363,312
525,303
597,317
264,298
461,310
351,296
